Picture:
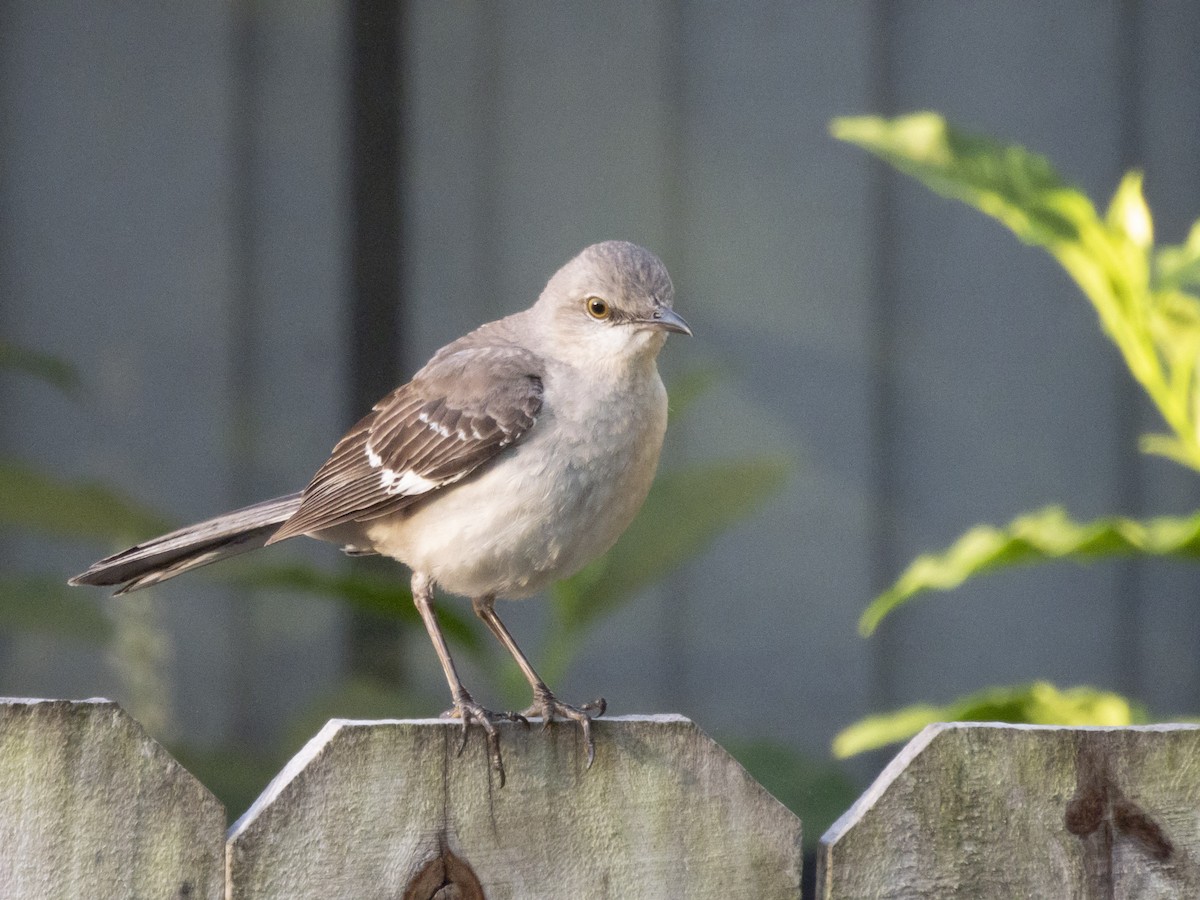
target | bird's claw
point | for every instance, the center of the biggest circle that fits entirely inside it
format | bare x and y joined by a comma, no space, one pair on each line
549,707
545,705
468,711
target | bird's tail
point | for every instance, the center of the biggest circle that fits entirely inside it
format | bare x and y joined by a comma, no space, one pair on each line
189,548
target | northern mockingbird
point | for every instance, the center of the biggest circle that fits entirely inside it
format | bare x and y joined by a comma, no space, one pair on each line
517,455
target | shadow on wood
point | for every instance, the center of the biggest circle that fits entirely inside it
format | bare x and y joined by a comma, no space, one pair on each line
373,808
986,811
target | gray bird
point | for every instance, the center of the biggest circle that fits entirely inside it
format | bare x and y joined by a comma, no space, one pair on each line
517,455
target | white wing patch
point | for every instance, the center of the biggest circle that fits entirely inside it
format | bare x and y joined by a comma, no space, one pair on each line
441,429
406,483
461,433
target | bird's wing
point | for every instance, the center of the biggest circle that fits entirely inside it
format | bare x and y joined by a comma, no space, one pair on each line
468,404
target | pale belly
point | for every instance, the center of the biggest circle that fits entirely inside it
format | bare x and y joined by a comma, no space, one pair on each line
536,515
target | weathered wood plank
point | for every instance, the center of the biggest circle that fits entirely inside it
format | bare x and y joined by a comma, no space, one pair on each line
1025,811
90,806
387,809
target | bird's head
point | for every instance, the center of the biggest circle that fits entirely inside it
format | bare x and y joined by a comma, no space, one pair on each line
611,304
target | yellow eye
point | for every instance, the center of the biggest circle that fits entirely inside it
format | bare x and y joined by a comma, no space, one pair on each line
597,308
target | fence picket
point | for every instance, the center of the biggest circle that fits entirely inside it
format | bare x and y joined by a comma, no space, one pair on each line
90,806
388,809
982,811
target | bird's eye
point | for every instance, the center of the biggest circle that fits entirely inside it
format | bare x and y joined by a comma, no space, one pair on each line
597,308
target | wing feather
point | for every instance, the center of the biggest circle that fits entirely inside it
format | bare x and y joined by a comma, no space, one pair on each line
472,401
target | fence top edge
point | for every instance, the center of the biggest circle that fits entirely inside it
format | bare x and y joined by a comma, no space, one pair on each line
317,744
938,727
653,718
37,701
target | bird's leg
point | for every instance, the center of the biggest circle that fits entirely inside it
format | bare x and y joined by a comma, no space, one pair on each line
545,704
465,707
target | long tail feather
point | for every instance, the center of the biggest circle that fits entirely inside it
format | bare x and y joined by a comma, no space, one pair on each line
189,548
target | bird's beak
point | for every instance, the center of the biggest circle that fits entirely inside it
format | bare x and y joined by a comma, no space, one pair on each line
668,320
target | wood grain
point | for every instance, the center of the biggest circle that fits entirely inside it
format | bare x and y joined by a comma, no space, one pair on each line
90,806
387,809
969,810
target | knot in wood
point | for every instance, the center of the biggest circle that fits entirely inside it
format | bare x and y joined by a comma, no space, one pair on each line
445,877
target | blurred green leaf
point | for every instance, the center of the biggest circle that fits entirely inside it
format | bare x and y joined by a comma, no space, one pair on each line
363,698
379,595
1019,188
1140,294
235,774
1037,537
685,510
38,502
1039,703
1178,268
817,790
689,387
40,365
48,606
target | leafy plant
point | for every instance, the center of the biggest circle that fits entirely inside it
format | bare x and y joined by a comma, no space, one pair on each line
1147,302
816,789
43,366
34,501
1038,703
1143,294
686,509
41,604
377,594
1038,536
31,500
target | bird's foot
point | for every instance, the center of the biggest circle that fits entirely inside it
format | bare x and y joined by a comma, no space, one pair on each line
546,705
468,711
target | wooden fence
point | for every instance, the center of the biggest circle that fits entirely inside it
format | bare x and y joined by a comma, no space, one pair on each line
91,806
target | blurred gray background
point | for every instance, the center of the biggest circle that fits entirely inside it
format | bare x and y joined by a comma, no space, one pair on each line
243,222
